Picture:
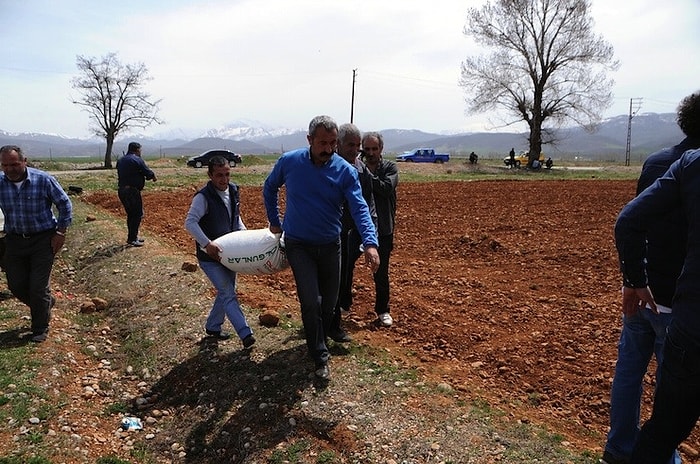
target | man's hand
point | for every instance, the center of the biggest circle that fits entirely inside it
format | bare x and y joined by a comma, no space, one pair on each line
57,242
372,258
276,229
213,250
635,298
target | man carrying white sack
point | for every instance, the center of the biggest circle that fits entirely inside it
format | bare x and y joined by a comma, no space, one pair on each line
215,211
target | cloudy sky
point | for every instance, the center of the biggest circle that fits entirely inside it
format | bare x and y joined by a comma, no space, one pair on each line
281,62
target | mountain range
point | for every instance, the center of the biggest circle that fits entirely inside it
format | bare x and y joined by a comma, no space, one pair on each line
650,132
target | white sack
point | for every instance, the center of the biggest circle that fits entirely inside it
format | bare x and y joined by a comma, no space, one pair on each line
252,251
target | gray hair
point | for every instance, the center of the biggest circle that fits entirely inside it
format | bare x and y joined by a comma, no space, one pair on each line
377,136
326,122
9,148
348,130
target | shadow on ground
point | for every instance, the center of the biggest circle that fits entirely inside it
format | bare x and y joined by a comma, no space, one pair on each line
229,405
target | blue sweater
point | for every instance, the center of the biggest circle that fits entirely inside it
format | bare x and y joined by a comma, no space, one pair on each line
314,199
680,186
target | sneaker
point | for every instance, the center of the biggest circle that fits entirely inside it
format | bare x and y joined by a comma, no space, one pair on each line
40,337
322,372
248,341
219,335
140,240
385,319
135,243
340,336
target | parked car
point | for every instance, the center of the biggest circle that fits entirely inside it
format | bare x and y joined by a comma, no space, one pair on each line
203,159
521,158
423,155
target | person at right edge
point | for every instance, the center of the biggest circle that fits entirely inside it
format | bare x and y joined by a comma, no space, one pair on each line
643,332
384,183
317,182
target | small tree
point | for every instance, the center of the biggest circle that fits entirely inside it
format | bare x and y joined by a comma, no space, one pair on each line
546,65
112,94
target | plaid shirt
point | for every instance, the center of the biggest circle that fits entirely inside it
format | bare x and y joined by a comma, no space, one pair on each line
28,209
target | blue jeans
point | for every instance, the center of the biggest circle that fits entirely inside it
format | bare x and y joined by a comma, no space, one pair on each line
316,270
676,402
226,301
642,335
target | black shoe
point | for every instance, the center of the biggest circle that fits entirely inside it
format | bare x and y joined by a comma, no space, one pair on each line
248,341
219,335
322,372
40,337
610,459
340,336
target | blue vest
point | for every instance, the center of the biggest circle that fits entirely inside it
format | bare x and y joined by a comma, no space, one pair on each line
216,222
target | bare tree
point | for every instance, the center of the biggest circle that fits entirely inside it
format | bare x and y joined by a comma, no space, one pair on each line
546,64
113,96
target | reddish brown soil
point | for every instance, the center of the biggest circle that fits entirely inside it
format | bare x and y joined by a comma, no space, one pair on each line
508,290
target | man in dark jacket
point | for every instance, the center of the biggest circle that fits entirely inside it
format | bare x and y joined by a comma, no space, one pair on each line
349,139
384,182
132,174
643,332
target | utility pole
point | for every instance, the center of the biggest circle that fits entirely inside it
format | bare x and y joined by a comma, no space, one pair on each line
637,102
352,101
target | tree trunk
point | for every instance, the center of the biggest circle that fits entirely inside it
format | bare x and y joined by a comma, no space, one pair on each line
108,151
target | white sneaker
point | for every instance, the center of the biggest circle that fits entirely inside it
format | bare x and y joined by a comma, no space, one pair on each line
385,319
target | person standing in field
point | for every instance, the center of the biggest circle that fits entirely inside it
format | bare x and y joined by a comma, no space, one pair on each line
677,396
349,140
644,330
216,211
317,183
33,235
384,183
132,174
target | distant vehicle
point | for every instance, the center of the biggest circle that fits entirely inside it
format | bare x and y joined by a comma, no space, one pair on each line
423,155
203,159
521,158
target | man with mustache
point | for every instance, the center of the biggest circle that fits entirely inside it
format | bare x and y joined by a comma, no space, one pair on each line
317,183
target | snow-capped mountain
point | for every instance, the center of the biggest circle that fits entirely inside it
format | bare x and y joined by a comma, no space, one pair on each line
248,130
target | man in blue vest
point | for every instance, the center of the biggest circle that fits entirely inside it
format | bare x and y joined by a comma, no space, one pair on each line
215,211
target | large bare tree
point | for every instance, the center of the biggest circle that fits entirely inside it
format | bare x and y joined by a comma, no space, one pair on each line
112,93
546,65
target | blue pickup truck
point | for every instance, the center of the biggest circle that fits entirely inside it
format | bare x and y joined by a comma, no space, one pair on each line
423,155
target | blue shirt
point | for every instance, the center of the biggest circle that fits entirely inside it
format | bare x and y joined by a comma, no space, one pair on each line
680,186
28,208
314,199
133,172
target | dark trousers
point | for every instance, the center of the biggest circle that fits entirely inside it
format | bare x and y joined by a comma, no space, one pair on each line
676,401
28,263
381,277
133,205
349,252
316,272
